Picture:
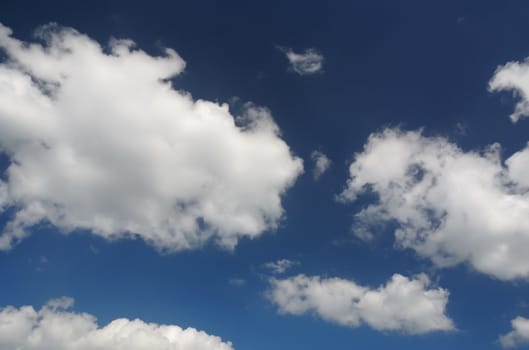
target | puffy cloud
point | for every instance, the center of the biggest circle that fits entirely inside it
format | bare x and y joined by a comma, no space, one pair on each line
97,139
402,304
449,205
519,334
321,163
280,266
54,327
514,76
307,62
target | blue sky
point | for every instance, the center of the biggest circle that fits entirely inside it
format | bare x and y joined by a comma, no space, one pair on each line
180,238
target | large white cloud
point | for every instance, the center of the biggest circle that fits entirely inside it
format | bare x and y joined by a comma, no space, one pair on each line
514,76
402,304
449,205
519,334
54,327
98,139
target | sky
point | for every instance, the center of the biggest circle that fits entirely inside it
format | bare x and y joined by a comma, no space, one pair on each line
207,175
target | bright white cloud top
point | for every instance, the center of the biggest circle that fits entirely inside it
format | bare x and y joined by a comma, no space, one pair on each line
55,327
321,164
402,304
307,62
98,139
450,205
514,76
519,334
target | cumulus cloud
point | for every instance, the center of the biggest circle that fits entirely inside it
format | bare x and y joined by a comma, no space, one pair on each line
307,62
280,266
98,140
402,304
514,76
321,163
449,205
55,327
519,334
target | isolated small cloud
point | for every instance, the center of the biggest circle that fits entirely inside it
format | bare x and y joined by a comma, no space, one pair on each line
411,306
280,266
95,250
461,129
321,163
448,205
514,76
237,282
519,334
98,140
307,62
60,303
56,327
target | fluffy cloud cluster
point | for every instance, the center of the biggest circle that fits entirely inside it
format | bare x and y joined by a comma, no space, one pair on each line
402,304
321,163
54,327
514,76
449,205
519,334
307,62
97,139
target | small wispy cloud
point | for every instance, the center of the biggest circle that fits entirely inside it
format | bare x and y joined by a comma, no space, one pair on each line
280,266
237,282
95,250
308,62
321,163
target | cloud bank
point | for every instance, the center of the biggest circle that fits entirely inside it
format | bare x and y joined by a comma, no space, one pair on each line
402,304
449,205
307,62
54,327
98,140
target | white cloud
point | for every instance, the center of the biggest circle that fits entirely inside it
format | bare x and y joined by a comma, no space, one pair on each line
449,205
307,62
514,76
519,334
280,266
402,304
321,163
54,327
99,140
